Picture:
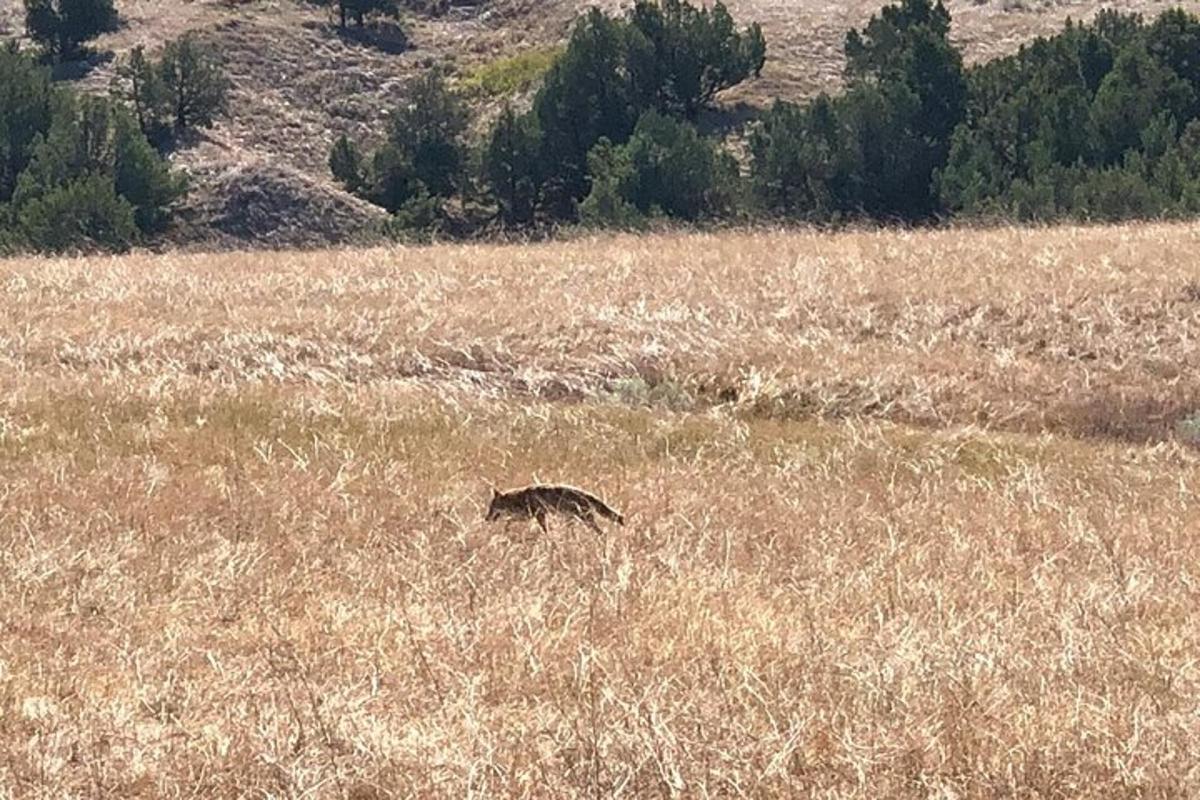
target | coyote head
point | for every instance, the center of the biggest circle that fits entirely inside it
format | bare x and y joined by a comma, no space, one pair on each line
494,511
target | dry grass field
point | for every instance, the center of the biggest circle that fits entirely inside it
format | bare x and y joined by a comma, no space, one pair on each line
910,515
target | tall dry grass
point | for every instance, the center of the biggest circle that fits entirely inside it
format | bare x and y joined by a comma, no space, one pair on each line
910,515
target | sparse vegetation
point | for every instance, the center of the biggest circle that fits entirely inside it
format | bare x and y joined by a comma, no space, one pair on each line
906,513
513,74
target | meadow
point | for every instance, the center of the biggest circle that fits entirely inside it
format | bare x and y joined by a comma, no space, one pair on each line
910,514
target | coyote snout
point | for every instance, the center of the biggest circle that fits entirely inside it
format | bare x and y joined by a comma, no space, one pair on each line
537,501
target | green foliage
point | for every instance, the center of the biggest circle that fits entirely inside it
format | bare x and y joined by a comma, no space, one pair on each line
195,84
665,169
74,173
585,97
427,134
511,167
141,177
507,76
139,81
345,162
61,26
613,180
666,56
420,215
884,46
27,102
83,213
800,164
183,89
1084,124
875,150
423,161
680,56
1137,89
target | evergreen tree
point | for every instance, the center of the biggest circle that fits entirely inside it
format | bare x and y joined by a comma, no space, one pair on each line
345,163
194,83
75,172
428,131
140,82
586,96
511,168
1137,89
424,159
607,204
680,56
61,26
27,101
881,49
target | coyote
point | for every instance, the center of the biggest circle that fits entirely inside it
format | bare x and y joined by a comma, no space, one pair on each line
536,501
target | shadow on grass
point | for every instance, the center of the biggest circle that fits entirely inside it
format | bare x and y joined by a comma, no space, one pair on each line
81,65
386,37
724,120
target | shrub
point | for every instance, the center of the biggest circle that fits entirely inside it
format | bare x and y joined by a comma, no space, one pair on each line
422,162
613,179
508,76
345,163
141,177
511,168
195,84
74,173
666,168
61,26
83,213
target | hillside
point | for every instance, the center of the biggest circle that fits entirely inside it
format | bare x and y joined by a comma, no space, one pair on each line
260,176
909,515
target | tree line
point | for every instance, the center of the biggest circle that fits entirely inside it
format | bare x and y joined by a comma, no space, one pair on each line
1100,121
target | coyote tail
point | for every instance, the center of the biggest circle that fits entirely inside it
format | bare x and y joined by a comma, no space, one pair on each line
603,508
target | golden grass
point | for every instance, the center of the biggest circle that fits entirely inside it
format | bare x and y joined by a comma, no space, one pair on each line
909,516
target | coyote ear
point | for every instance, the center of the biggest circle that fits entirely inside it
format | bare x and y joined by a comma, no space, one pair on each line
495,491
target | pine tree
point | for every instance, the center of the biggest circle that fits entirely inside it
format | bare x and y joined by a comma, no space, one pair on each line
511,168
61,26
195,83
